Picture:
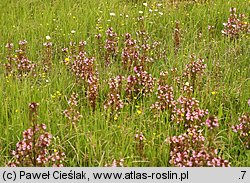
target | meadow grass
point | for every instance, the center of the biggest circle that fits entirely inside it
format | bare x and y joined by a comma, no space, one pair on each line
98,138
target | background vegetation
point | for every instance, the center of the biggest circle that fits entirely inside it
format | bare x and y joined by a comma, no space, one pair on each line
100,136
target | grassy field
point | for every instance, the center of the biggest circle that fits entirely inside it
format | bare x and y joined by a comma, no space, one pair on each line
175,54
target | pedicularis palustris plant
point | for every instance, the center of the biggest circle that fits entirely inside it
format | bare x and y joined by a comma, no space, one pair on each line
193,71
236,25
142,83
140,143
36,148
83,67
243,129
130,53
189,150
175,95
114,102
19,64
24,65
165,98
72,113
111,46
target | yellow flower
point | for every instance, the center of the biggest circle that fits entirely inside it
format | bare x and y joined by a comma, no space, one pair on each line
139,112
66,61
137,106
58,93
182,115
213,92
115,117
55,150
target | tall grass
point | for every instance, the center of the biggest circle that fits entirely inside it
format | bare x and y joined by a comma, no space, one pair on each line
98,138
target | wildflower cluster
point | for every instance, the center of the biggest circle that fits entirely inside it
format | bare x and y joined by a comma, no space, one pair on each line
236,25
65,50
139,52
130,53
85,72
165,98
140,139
243,129
111,45
132,87
142,83
175,76
92,90
163,78
194,69
187,89
159,50
188,150
33,149
145,48
114,101
81,46
212,122
145,58
187,110
82,67
19,64
24,65
99,46
71,112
